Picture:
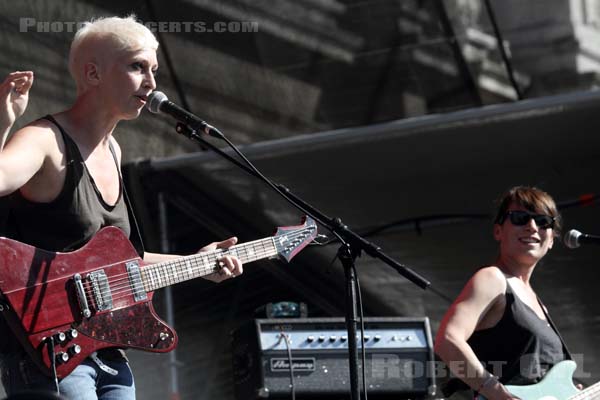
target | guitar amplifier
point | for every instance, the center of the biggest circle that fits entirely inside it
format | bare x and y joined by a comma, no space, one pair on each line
399,358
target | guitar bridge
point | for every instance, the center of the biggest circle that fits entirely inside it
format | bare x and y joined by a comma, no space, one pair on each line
101,290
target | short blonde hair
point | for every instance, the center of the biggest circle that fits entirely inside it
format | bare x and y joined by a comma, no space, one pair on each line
124,34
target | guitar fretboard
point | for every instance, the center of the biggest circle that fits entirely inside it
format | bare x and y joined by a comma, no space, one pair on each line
168,273
589,393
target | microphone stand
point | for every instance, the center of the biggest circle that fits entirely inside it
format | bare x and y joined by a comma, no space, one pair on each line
352,247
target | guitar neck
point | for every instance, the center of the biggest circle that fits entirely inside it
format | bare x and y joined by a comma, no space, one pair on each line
182,269
589,393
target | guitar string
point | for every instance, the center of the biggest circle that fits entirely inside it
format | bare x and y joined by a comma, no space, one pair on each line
208,257
204,265
129,290
194,260
192,270
172,274
595,388
136,285
125,276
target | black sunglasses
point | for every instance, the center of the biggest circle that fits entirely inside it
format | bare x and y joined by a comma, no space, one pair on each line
520,218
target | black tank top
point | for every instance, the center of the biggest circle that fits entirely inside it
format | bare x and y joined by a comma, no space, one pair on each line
526,345
71,220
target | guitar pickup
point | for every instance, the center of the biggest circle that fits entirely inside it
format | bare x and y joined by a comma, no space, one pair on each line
101,290
135,281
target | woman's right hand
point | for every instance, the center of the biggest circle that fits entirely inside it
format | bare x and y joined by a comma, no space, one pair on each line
14,96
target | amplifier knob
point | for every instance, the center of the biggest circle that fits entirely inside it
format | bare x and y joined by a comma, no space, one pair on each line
332,338
377,338
321,338
344,338
366,338
310,339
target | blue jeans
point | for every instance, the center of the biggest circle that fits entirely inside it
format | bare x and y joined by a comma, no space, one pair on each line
86,382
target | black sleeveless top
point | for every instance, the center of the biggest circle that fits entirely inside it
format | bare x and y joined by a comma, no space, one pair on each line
519,349
526,345
71,220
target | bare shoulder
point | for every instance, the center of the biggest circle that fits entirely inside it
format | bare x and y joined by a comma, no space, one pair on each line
490,275
488,282
40,131
32,154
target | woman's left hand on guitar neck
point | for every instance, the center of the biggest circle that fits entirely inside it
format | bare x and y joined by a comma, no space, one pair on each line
231,266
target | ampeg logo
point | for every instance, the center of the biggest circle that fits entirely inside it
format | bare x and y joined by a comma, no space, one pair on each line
300,364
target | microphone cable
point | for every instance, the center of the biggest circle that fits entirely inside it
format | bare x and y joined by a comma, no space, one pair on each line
286,339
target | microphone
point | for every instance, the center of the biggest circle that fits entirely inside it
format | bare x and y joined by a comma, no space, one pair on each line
573,239
158,102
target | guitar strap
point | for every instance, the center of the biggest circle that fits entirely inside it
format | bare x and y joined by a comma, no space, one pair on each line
565,348
102,365
136,233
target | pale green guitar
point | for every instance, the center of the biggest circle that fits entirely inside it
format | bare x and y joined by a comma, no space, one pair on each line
557,384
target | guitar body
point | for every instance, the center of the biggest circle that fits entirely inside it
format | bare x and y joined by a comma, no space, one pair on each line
101,295
557,384
40,301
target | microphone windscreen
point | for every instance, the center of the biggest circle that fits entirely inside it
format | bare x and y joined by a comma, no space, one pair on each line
571,239
155,99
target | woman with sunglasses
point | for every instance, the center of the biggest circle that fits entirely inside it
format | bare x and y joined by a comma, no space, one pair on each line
497,331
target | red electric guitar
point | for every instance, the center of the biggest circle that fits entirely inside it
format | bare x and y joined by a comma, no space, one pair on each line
101,295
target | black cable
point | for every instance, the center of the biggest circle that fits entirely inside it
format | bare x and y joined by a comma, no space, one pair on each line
458,54
286,338
168,59
52,355
272,185
362,332
505,58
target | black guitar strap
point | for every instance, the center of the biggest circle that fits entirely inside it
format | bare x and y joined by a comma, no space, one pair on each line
136,235
565,348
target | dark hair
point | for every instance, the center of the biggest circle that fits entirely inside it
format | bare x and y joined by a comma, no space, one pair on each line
532,199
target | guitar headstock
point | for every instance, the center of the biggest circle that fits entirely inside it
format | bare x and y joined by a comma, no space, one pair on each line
289,240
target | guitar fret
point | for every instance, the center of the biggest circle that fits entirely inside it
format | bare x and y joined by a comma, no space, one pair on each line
157,278
151,274
189,269
161,277
168,273
585,393
174,272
